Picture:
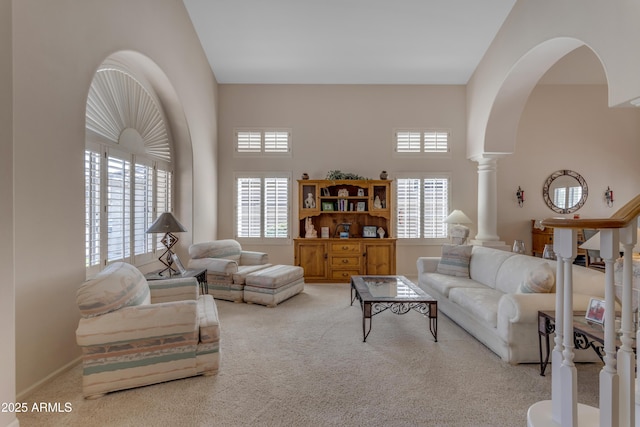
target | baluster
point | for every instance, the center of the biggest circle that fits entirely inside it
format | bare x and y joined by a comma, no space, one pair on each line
566,239
609,379
556,355
626,357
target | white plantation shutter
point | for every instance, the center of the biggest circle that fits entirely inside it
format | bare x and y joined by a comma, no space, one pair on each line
276,208
276,142
436,207
257,141
427,141
249,141
262,205
163,198
93,203
118,209
249,207
422,204
408,208
436,142
408,142
143,209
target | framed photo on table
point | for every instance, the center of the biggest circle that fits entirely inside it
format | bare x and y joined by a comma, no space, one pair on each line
178,264
369,231
595,311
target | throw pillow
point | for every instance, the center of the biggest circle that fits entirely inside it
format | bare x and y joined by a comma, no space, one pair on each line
539,279
455,260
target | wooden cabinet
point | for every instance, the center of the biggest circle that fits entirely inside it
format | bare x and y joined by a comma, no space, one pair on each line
312,254
541,237
378,255
344,207
336,260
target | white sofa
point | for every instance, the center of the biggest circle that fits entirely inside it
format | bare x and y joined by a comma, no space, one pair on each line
490,307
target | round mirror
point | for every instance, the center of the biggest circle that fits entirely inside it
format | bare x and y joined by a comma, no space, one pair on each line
565,191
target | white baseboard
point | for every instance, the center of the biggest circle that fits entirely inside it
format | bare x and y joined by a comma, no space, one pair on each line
65,368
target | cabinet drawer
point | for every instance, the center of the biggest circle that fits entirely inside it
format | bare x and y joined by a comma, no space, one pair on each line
339,261
345,247
344,275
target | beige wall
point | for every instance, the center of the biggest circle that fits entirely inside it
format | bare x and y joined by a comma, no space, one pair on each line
7,290
568,127
344,127
533,37
350,128
57,48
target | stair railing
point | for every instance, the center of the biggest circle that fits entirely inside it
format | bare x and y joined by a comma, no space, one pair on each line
618,398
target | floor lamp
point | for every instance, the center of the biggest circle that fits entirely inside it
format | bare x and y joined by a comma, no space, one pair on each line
167,224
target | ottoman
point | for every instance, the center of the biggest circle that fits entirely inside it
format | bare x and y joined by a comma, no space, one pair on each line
272,285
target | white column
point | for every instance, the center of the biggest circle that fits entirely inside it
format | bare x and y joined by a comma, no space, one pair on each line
488,202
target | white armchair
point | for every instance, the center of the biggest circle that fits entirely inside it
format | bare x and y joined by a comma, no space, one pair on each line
134,333
227,266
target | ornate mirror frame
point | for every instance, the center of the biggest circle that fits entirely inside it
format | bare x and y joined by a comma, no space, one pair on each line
548,196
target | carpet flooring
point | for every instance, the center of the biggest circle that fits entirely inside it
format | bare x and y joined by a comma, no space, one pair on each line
303,363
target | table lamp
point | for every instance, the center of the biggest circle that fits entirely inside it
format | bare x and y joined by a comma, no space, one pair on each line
167,224
458,232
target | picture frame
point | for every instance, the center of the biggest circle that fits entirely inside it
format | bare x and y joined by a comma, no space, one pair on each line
595,311
178,264
369,231
327,206
361,207
360,192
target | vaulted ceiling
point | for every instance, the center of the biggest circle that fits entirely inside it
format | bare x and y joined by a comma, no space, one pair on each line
346,41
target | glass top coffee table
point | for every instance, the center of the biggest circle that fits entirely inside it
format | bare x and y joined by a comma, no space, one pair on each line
380,293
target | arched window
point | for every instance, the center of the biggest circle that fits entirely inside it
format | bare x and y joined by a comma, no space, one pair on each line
128,169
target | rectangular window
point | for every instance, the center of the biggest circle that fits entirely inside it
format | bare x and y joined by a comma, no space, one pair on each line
262,206
123,196
261,141
422,205
421,141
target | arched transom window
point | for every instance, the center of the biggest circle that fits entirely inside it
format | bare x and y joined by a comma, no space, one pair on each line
128,169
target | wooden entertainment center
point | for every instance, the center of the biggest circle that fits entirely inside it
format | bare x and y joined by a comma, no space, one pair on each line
357,210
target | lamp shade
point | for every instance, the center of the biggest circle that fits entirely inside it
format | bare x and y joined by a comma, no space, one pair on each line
166,223
457,217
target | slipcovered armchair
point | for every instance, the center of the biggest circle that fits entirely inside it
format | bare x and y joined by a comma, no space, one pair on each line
227,266
135,333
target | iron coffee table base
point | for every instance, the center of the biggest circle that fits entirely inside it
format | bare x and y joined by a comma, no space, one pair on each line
371,305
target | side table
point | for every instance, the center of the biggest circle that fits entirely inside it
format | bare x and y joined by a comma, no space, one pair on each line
199,273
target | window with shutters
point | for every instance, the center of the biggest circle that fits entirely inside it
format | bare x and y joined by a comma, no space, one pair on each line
422,203
421,142
262,206
263,142
128,178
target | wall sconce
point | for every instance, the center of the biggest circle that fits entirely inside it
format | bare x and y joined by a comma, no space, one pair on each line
608,196
520,196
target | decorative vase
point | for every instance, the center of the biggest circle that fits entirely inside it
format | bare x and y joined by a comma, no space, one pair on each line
305,176
383,175
518,247
548,252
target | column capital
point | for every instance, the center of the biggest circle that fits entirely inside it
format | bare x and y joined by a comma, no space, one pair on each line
487,158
